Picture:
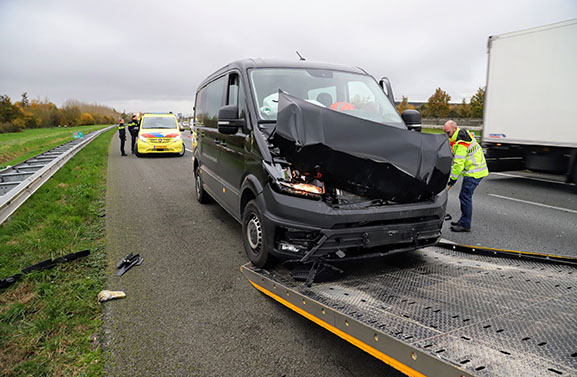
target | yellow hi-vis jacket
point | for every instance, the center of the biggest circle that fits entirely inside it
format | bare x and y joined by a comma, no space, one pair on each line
469,159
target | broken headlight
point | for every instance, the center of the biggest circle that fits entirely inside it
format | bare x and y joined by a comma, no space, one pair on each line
301,189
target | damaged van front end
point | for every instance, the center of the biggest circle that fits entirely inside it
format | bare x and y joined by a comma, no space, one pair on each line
316,163
334,196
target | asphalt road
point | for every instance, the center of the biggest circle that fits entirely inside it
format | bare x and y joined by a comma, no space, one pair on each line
520,211
189,311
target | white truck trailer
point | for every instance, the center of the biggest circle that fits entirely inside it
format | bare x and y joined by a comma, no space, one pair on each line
530,100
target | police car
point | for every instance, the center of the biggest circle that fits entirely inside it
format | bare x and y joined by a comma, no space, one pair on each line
159,133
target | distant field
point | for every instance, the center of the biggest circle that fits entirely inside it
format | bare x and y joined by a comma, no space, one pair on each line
20,146
433,130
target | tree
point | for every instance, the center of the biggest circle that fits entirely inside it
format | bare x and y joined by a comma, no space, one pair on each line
404,105
8,111
85,119
477,103
25,102
70,113
464,111
438,104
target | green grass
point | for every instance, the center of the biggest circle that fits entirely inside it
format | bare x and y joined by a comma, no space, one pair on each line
50,320
433,130
477,134
20,146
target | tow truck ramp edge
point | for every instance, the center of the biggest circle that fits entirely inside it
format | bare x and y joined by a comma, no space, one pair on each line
448,310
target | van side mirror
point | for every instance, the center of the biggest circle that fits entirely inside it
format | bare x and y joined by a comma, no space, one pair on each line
412,119
385,84
228,121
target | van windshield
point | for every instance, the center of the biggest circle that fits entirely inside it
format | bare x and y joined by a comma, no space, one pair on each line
158,122
354,94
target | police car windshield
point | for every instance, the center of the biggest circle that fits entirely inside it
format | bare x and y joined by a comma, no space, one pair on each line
158,122
354,94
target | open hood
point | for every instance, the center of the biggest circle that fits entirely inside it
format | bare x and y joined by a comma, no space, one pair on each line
361,156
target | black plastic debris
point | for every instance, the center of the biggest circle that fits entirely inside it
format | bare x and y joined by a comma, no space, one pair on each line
44,265
128,262
10,280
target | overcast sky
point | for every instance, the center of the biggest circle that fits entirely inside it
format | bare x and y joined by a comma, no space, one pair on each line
151,55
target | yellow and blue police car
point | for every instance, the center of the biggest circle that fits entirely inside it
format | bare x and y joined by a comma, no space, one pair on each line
159,133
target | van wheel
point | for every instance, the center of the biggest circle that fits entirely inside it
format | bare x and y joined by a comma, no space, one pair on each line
183,151
201,195
254,237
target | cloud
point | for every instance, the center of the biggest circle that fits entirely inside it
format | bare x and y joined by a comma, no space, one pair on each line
151,56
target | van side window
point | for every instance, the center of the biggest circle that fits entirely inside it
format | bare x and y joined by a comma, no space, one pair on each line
236,95
208,101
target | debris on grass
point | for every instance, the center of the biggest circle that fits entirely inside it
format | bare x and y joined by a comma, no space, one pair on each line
107,295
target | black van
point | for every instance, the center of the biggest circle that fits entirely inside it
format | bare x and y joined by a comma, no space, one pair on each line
316,163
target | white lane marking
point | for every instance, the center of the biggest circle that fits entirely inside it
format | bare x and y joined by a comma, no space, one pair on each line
188,150
535,204
531,178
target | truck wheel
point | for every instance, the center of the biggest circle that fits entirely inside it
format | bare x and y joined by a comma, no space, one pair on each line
254,237
201,195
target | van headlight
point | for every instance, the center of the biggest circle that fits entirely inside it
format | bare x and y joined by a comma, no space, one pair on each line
142,138
301,189
177,138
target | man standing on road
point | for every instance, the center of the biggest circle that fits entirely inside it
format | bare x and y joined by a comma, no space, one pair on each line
469,161
133,128
122,136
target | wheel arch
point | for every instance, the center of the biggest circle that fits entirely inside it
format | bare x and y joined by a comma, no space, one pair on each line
250,189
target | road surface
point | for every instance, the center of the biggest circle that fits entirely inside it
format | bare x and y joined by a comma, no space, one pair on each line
189,311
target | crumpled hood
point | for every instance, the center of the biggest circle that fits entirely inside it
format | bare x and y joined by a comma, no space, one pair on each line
365,157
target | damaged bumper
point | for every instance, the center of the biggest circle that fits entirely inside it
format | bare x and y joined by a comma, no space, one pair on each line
304,229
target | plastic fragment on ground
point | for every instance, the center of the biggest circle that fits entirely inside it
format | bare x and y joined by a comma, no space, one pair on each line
107,295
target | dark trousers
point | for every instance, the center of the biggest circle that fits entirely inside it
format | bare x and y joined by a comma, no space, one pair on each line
133,142
122,142
466,197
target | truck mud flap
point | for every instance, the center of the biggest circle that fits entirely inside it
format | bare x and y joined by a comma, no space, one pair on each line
446,310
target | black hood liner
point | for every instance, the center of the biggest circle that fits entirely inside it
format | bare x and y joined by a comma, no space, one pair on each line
361,156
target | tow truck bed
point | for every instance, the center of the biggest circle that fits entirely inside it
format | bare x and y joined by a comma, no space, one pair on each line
446,311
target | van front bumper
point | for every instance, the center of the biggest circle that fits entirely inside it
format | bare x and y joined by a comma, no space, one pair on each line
301,228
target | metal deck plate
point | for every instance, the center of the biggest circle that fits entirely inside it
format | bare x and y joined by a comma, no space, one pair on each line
481,315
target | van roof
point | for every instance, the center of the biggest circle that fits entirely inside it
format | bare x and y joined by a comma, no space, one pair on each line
245,64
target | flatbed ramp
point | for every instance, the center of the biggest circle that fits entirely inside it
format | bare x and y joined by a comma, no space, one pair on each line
441,311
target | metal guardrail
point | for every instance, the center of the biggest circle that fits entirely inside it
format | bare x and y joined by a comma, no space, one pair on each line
19,182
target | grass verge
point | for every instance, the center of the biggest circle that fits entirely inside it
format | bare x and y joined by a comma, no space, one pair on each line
20,146
50,320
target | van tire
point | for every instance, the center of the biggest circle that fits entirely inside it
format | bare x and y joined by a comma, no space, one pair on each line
201,195
183,151
254,238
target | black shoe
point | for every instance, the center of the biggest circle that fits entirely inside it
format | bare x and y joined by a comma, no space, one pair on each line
124,154
460,228
453,223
